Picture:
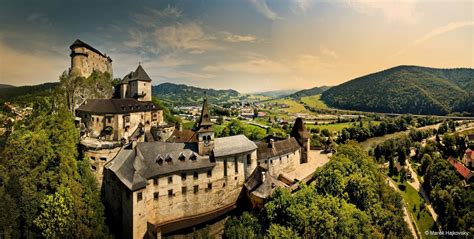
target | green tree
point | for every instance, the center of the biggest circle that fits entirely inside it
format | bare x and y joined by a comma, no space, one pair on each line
55,218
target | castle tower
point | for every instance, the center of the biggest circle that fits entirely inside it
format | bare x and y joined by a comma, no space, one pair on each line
301,135
205,132
139,84
85,59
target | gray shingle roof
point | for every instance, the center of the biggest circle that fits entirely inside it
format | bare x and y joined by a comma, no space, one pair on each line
79,43
116,106
138,74
268,150
233,145
135,166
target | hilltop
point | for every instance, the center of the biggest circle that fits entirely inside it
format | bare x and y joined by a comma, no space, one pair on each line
189,95
25,93
407,89
309,92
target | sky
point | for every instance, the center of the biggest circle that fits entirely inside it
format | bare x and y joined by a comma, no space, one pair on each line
248,45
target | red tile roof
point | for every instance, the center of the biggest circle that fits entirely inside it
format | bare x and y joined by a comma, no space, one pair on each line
460,168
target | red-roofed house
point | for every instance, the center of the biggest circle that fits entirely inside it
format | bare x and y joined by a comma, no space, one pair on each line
461,169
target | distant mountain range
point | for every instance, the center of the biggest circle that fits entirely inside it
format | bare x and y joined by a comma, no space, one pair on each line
309,92
276,93
189,95
3,86
407,89
12,93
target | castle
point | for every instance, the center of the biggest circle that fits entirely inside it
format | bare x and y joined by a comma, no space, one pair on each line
157,183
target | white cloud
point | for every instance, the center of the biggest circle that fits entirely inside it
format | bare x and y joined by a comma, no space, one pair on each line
230,37
137,38
393,10
327,52
189,36
443,29
303,5
262,7
434,33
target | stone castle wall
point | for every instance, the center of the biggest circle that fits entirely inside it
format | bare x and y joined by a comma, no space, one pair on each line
224,191
278,165
84,62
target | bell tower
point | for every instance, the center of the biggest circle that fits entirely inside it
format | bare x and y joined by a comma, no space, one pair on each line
205,132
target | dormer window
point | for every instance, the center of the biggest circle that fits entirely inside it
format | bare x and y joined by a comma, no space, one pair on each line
182,157
159,160
168,159
193,157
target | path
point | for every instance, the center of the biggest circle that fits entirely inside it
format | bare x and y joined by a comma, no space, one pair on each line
417,185
406,216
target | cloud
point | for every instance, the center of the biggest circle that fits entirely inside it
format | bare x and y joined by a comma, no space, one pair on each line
303,5
392,10
137,38
434,33
188,36
185,75
327,52
442,30
39,19
262,7
230,37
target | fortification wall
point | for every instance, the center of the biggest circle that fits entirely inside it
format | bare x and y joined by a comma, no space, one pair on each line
84,62
213,192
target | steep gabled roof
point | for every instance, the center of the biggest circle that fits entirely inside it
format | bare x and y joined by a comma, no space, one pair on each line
205,119
460,168
139,74
271,149
299,131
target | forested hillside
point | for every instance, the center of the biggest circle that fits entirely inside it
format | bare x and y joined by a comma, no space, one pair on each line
26,93
309,92
183,94
407,89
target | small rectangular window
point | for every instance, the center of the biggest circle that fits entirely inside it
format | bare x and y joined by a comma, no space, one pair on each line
248,159
170,193
225,167
183,176
196,189
170,179
209,186
184,190
92,158
196,175
103,158
236,165
155,181
209,173
139,196
155,196
93,168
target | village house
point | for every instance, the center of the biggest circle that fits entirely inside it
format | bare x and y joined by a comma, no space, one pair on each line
462,170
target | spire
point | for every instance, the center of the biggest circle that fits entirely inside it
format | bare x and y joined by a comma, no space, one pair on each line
299,131
205,119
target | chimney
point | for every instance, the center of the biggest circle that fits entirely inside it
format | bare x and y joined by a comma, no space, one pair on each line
271,143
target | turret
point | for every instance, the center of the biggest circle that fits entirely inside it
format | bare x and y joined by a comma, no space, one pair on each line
205,132
301,135
136,84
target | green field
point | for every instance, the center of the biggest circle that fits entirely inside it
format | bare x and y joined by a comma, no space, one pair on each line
339,126
422,218
314,101
294,107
